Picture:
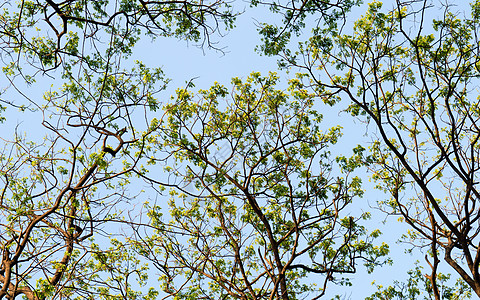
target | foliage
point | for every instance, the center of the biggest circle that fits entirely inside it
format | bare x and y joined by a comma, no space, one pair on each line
259,207
411,72
256,209
295,16
418,286
65,184
47,35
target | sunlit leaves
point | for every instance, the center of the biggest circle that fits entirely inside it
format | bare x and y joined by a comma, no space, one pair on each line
418,286
253,192
410,72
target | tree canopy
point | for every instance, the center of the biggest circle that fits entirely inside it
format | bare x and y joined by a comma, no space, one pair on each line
246,190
